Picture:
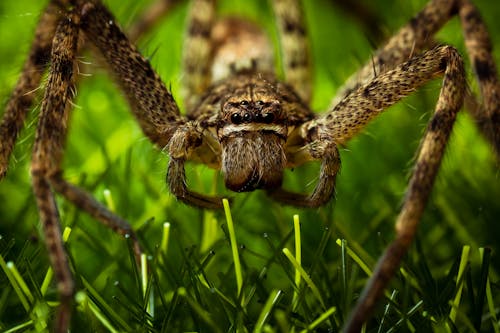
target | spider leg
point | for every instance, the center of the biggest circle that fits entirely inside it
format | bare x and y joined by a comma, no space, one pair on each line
479,49
417,35
322,148
23,96
185,139
409,40
357,109
47,156
153,106
352,114
47,153
197,51
88,203
294,48
322,135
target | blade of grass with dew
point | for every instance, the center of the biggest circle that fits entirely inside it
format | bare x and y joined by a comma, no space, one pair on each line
20,281
234,246
305,276
464,259
83,299
13,283
298,257
266,310
320,319
108,198
165,239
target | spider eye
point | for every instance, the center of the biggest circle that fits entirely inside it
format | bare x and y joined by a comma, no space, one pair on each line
244,103
236,118
267,117
247,117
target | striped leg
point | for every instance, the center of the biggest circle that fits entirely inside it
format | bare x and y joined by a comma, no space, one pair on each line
411,39
47,154
294,46
197,51
355,111
152,104
418,34
23,96
479,48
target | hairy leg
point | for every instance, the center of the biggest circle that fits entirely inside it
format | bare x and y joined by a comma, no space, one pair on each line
479,49
410,40
294,46
153,106
47,155
418,34
24,93
323,149
197,51
361,106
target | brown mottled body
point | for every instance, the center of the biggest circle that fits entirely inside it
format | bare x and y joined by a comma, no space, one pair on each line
240,117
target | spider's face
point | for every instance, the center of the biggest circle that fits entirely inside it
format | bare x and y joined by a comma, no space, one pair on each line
252,133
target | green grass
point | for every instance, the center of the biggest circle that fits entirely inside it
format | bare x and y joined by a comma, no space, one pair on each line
447,283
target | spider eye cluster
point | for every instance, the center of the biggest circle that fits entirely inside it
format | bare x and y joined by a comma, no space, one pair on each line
236,118
248,112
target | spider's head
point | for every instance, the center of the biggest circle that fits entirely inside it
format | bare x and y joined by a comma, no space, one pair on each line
252,133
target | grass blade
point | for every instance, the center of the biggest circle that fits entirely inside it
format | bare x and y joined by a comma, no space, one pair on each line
356,258
320,319
305,276
463,264
13,283
100,302
298,256
234,246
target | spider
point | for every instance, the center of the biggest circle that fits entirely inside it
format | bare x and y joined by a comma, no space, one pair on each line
240,118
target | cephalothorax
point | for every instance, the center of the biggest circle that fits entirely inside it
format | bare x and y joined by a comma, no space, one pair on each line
240,117
245,125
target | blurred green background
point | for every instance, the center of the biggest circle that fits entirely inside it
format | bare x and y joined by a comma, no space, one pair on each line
107,151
